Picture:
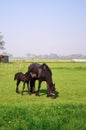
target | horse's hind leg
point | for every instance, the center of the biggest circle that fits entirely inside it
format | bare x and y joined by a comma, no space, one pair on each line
17,84
39,85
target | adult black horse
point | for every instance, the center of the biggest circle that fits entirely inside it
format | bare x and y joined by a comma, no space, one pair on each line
41,73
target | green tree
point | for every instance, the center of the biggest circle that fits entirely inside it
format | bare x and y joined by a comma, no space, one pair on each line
2,43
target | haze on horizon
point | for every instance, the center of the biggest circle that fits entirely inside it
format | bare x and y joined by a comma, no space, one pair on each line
43,26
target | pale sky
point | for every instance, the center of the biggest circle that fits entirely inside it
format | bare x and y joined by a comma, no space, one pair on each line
43,26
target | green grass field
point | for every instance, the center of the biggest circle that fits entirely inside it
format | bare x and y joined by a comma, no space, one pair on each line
30,112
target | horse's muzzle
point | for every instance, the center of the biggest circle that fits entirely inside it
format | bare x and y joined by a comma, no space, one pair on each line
53,95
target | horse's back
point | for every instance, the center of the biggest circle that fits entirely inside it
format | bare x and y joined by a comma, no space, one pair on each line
41,70
33,67
46,69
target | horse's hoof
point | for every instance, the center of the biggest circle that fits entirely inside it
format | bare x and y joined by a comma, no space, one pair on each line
30,93
48,96
21,93
53,97
37,94
17,92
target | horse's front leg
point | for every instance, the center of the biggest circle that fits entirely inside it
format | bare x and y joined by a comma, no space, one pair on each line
17,84
48,91
39,85
23,88
32,85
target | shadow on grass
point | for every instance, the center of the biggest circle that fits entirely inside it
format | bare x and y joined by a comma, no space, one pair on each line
42,92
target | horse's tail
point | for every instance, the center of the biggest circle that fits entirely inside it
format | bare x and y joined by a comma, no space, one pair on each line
15,77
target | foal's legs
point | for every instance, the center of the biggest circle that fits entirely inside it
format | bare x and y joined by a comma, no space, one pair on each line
28,87
23,88
39,85
17,84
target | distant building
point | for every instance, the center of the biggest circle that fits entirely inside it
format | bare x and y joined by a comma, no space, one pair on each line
4,58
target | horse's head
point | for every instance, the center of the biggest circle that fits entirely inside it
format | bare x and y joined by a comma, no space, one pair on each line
52,91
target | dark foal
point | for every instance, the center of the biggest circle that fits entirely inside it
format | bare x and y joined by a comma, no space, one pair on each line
25,78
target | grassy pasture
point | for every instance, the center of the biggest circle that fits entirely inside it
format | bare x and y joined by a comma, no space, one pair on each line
29,112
